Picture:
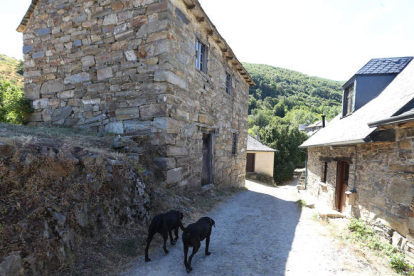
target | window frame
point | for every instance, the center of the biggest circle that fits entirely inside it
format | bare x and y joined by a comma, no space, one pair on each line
229,83
348,103
201,55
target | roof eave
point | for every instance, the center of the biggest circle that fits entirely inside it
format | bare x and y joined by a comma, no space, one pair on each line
23,24
393,120
263,150
342,143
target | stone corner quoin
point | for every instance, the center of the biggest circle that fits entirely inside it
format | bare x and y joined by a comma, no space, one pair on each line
129,68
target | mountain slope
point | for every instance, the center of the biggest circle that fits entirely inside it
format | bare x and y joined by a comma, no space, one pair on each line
11,69
295,88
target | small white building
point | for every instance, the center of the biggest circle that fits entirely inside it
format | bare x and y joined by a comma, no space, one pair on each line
260,158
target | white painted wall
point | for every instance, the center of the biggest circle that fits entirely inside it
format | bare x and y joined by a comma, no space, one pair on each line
264,162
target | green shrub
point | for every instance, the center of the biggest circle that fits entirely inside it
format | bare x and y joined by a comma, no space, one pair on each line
399,264
13,104
360,229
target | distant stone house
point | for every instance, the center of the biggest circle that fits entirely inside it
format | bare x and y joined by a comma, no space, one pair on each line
153,69
260,158
362,164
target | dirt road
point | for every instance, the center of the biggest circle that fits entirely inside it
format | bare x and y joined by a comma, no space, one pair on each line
261,231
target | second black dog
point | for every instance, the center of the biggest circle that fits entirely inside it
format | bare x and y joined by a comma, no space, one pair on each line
164,224
192,237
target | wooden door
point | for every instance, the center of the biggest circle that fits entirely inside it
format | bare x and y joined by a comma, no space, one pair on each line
207,173
250,162
342,185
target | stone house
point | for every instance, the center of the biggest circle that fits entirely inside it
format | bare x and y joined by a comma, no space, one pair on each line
260,158
154,70
362,163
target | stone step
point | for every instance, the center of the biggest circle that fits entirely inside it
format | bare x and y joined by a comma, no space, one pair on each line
326,213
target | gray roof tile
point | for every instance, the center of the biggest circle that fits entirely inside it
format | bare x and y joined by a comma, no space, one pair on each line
385,66
354,128
254,145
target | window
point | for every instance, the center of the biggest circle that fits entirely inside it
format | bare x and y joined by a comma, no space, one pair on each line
234,144
348,104
201,56
228,83
325,171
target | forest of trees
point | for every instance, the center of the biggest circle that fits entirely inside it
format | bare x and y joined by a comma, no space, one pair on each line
281,100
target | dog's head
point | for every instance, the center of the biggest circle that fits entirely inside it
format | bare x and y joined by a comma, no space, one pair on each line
212,222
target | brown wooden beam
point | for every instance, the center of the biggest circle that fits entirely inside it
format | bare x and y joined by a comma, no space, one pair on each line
200,19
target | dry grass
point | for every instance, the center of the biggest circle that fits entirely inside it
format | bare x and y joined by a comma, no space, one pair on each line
10,134
338,228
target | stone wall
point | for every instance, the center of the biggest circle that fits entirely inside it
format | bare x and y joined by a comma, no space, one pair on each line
383,181
203,106
129,67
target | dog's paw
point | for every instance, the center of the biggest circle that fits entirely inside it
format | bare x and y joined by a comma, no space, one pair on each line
208,253
166,251
189,269
147,259
173,242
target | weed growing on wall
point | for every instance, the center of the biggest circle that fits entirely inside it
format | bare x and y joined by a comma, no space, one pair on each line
363,235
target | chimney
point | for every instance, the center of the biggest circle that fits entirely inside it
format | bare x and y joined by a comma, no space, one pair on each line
323,120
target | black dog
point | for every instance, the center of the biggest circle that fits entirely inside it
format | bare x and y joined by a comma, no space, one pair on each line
193,235
164,224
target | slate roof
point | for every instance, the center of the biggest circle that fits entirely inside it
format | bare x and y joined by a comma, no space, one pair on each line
354,128
385,66
255,145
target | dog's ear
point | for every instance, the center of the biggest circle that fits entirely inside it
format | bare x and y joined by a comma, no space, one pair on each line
212,222
181,215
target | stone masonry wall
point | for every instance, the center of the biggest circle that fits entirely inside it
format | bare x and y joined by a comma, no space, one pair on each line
201,105
128,67
383,181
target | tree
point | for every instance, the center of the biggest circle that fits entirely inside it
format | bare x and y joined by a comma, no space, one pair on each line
286,141
13,104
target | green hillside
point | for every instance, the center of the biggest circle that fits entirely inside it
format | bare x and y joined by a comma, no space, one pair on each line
11,69
281,100
296,89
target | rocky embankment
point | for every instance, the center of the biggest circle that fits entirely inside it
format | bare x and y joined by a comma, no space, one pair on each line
59,196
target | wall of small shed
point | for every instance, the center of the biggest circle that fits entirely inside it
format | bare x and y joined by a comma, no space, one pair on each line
382,176
264,162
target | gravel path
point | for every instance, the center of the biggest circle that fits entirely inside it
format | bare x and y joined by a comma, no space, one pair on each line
261,232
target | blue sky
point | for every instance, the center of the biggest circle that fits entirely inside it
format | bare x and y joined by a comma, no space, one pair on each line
325,38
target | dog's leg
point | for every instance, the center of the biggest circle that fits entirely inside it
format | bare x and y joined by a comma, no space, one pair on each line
176,233
171,238
207,244
149,239
164,234
195,249
185,255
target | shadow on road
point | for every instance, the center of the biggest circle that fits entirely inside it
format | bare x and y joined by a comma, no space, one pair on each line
253,236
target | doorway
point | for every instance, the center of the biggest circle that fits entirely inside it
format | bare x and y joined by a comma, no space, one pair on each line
342,185
250,162
207,172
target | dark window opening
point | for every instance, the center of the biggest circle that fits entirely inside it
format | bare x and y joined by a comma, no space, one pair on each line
234,144
325,172
201,56
228,83
348,104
